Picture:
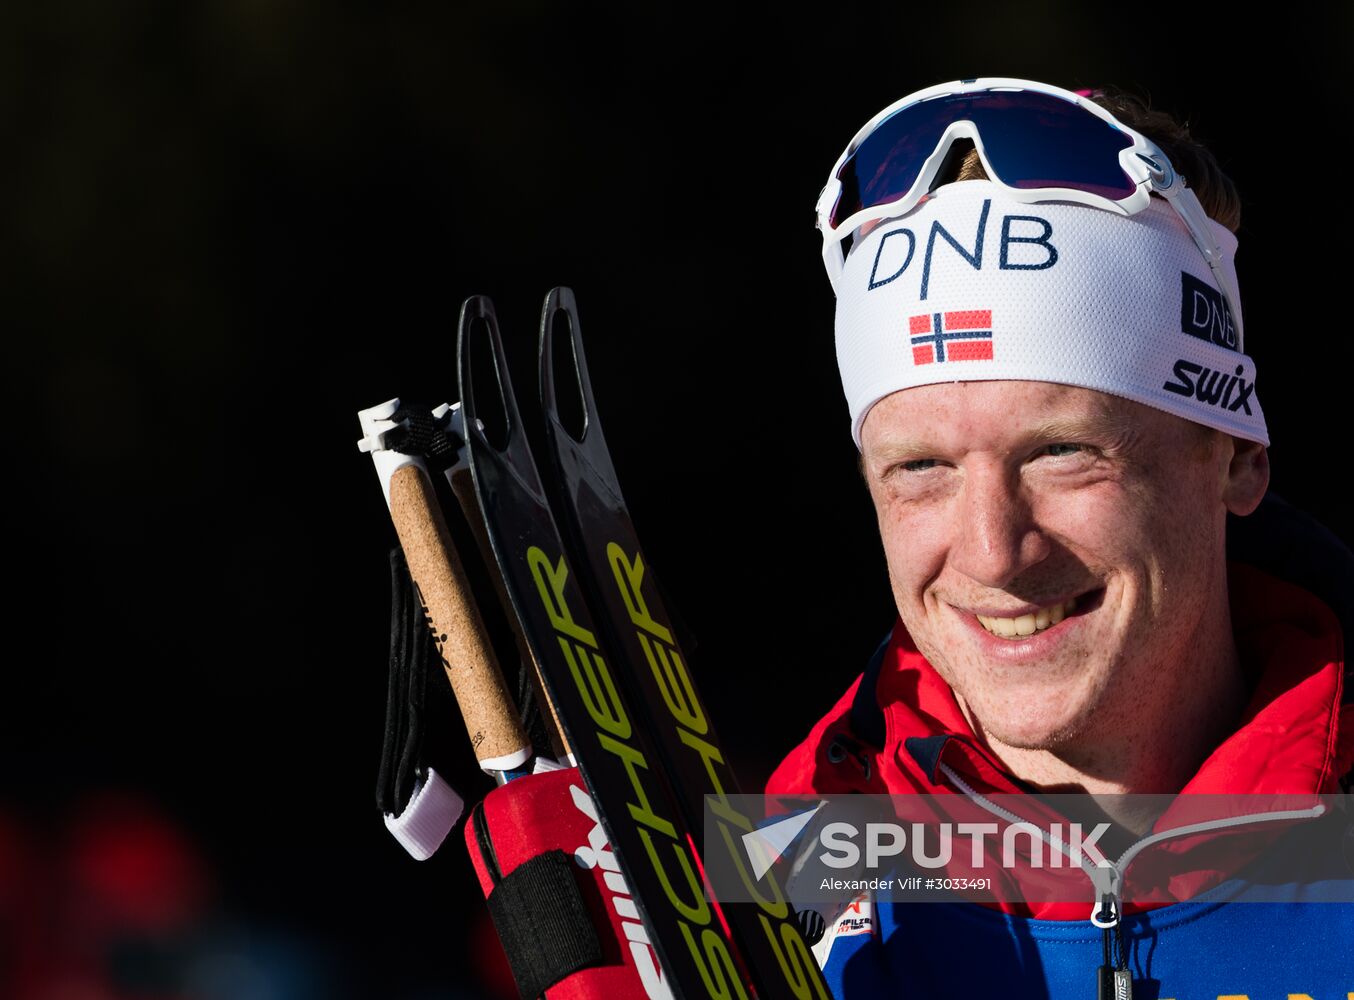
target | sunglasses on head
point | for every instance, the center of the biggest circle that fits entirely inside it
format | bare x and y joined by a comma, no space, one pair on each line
1037,142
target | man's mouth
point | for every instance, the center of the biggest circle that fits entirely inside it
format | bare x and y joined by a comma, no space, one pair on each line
1031,622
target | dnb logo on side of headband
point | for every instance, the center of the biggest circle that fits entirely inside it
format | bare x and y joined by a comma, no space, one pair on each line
1204,313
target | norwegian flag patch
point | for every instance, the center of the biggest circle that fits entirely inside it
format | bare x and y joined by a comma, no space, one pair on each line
959,335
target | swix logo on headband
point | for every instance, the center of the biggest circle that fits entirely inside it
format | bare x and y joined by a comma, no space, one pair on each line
960,335
1211,387
1204,313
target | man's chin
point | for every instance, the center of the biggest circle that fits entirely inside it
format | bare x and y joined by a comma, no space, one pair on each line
1032,739
1033,731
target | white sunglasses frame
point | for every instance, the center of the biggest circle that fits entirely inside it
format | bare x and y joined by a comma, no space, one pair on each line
1144,162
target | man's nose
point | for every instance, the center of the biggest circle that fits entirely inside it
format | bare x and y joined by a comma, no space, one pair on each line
996,535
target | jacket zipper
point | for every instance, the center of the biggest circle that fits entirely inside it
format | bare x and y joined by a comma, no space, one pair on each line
1113,979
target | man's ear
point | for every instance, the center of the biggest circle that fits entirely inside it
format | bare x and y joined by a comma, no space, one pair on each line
1247,475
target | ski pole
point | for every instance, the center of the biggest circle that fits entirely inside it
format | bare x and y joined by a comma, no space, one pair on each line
449,608
490,716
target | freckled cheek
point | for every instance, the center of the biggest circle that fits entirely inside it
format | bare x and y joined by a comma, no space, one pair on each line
1097,524
915,546
1134,536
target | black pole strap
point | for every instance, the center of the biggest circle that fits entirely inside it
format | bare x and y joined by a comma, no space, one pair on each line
543,923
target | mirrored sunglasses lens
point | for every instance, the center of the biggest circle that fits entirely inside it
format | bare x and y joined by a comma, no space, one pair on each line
888,161
1038,140
1032,140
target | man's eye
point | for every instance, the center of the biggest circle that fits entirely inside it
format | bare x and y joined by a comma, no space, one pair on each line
918,465
1064,448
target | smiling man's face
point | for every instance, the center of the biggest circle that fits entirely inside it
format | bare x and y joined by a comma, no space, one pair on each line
1056,553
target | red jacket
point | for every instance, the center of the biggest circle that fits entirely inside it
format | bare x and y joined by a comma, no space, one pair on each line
1295,737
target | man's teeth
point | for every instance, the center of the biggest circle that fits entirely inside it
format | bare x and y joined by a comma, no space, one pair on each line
1010,628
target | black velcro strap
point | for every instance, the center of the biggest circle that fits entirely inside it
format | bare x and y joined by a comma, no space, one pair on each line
543,923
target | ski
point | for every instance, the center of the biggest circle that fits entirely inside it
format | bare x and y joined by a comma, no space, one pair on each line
661,883
624,593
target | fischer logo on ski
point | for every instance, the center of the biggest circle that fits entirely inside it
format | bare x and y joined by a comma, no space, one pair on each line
616,735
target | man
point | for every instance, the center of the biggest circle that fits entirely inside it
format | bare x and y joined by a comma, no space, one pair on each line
1060,433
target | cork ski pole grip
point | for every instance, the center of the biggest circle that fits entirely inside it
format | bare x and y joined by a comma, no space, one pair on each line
458,630
463,486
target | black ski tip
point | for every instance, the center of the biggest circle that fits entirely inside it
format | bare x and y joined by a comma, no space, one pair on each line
561,297
575,416
557,299
503,417
478,307
473,308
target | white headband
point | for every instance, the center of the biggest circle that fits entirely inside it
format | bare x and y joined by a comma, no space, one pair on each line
973,285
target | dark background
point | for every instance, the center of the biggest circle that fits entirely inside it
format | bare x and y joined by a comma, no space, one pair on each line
230,225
